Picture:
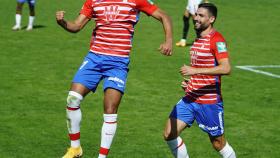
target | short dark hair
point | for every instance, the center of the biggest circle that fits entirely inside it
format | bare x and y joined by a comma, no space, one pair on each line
212,9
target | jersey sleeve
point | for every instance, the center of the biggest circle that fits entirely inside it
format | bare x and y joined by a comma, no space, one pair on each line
87,9
219,47
146,6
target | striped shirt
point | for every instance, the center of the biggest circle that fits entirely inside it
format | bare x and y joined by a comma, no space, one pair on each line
205,52
114,24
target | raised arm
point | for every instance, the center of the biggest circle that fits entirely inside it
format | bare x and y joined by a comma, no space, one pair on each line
166,47
71,26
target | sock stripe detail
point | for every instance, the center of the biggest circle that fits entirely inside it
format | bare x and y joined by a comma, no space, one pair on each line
180,145
111,122
75,136
103,151
72,109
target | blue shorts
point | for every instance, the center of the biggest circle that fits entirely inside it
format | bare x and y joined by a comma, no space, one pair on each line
96,67
30,2
209,117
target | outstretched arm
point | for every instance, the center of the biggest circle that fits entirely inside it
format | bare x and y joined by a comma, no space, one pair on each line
223,68
71,26
166,47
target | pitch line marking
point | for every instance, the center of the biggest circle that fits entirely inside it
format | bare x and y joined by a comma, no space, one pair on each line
253,69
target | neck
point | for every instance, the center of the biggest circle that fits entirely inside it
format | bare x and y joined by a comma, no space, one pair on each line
206,31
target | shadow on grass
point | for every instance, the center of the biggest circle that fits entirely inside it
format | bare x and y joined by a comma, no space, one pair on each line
36,27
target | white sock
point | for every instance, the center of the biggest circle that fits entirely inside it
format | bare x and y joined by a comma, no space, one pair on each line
227,152
183,40
18,20
178,148
107,134
31,20
74,117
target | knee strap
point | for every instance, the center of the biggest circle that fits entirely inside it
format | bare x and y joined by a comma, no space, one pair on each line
74,99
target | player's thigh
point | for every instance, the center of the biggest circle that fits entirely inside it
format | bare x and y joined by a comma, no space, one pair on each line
31,5
180,117
173,128
183,111
31,2
79,88
210,118
115,78
21,1
114,85
19,5
89,74
112,99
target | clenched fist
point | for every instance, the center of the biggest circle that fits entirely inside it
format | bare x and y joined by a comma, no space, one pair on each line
60,16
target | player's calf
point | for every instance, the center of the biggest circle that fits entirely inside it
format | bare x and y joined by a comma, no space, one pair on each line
74,117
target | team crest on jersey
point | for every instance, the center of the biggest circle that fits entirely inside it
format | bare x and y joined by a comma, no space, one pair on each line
221,47
111,12
151,2
193,57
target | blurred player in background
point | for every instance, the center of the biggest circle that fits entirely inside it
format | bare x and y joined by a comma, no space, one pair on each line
20,3
107,60
189,13
203,100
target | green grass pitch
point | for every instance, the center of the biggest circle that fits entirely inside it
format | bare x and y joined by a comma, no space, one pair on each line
36,69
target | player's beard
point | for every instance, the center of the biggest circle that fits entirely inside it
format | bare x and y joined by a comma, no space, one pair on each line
200,28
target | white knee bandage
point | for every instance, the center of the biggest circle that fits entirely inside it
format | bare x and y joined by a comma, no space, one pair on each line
74,99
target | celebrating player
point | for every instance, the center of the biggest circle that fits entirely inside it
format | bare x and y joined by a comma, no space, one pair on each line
189,12
203,100
107,59
20,3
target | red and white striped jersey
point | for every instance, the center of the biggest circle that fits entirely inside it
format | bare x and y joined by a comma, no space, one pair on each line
115,20
205,52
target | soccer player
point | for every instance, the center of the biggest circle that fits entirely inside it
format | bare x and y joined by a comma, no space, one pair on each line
203,100
189,13
20,3
107,60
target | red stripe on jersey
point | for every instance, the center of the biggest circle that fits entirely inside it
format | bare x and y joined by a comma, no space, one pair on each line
103,151
75,136
72,109
109,52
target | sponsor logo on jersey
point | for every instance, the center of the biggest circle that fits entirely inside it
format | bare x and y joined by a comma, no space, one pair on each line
151,2
221,47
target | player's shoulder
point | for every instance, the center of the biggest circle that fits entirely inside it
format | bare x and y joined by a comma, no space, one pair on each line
217,36
150,2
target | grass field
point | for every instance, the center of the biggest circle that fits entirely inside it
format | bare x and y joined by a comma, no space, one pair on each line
36,69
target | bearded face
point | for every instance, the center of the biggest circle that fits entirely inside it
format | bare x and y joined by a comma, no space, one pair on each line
203,20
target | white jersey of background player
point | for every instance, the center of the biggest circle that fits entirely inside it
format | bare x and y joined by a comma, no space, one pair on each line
190,11
192,6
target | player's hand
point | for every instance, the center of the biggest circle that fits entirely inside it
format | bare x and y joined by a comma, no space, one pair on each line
184,84
60,16
166,48
187,70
